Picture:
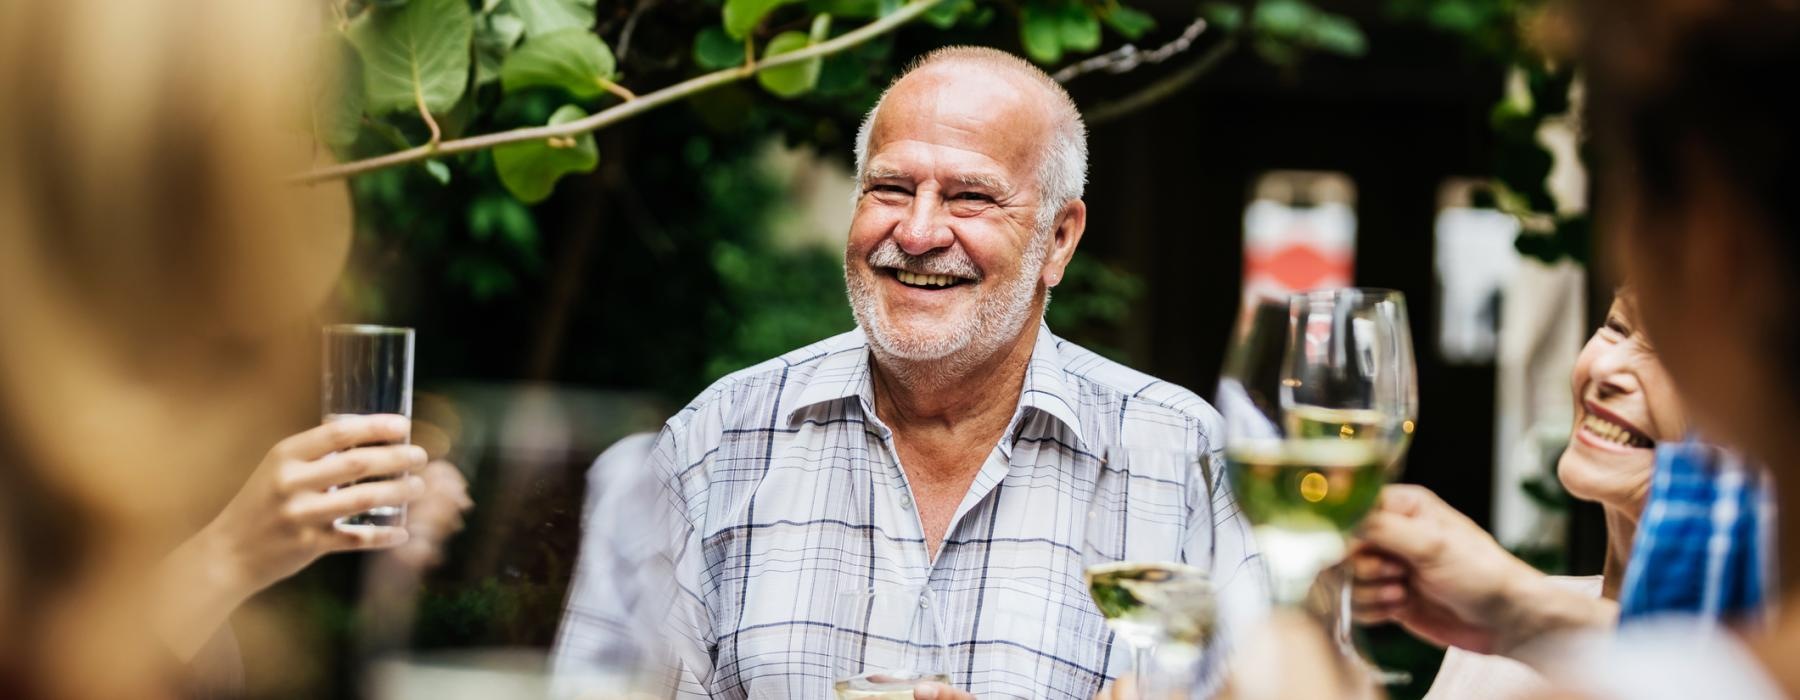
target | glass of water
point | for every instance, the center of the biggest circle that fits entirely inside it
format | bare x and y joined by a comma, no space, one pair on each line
888,641
367,370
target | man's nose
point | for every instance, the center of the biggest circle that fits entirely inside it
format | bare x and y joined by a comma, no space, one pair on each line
924,228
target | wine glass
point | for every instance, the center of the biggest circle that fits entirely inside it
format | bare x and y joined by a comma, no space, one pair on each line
1144,552
889,640
1319,394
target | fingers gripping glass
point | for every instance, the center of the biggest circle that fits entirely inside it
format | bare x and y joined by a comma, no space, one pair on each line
367,370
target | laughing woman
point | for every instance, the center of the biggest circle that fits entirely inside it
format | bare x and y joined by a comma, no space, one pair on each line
1625,404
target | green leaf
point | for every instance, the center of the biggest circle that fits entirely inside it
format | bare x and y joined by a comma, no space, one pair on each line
530,169
1227,17
495,36
742,16
794,79
944,14
412,53
572,59
546,16
714,49
502,215
851,9
1080,29
1283,18
1041,32
1129,23
1336,35
337,103
438,170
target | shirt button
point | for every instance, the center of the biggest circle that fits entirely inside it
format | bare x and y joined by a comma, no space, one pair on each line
906,502
924,601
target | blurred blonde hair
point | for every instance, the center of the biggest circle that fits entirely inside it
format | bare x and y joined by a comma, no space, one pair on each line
157,281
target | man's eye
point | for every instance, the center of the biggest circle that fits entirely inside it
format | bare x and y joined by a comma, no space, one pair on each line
889,189
973,197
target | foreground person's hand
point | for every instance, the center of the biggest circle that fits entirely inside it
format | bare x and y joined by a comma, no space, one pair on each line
1437,573
434,517
281,520
1291,657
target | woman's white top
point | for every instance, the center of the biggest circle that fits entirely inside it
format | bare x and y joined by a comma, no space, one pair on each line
1670,658
1467,675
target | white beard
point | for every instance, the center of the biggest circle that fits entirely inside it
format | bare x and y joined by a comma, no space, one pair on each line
997,319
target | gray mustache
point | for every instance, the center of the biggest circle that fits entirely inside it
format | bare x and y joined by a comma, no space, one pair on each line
951,262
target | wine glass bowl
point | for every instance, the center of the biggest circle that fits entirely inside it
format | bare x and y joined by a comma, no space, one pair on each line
1135,554
889,641
1319,404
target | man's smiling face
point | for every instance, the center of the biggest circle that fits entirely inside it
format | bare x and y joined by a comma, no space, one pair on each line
945,251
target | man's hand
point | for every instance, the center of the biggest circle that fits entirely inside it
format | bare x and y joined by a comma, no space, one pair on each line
939,691
1433,570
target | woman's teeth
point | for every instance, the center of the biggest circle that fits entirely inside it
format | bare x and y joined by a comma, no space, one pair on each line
919,280
1613,432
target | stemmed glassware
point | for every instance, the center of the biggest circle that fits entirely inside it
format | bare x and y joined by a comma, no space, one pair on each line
1320,397
1157,599
889,640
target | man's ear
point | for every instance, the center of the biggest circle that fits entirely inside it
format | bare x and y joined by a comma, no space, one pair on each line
1070,224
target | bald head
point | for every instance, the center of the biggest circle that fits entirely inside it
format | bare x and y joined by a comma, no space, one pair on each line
967,87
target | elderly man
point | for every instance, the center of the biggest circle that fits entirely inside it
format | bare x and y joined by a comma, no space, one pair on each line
949,446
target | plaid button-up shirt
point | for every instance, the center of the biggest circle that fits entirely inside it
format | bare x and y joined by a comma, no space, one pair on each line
788,490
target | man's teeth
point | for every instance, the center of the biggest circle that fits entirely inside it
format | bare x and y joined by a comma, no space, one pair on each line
919,280
1612,432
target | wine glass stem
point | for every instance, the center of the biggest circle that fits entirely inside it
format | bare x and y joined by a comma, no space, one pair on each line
1343,618
1141,673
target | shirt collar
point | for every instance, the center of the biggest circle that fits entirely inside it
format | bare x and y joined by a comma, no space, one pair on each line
845,373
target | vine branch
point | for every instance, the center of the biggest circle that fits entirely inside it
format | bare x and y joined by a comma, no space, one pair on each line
1129,56
622,111
1161,89
616,89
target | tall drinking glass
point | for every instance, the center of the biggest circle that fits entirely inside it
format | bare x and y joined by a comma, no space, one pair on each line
889,640
1157,601
367,370
1319,397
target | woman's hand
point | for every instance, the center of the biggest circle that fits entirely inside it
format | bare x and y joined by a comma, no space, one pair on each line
281,520
1433,570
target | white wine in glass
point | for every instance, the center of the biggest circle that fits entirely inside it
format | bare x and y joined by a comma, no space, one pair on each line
1158,602
889,641
1318,397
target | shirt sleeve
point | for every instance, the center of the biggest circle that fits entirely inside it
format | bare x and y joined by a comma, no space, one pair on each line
1240,584
634,604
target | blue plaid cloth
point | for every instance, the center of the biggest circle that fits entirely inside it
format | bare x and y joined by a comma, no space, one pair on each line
1702,546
